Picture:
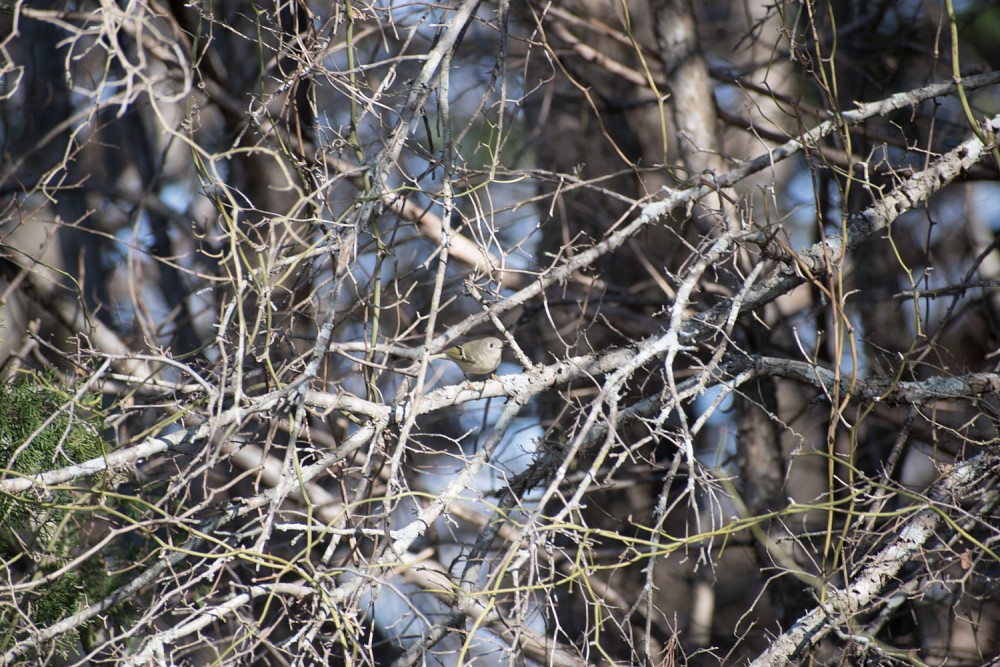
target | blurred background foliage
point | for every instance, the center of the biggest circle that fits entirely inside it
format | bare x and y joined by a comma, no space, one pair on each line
233,234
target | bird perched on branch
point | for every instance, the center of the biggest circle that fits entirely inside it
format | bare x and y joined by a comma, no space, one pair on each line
480,356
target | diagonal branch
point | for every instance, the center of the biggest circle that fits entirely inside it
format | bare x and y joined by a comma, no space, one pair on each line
880,572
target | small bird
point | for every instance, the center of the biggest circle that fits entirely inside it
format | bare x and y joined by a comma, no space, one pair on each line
477,357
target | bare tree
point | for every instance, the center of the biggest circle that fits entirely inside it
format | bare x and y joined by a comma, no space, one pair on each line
742,258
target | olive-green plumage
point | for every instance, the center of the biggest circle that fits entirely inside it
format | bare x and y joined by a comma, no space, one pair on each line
476,357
